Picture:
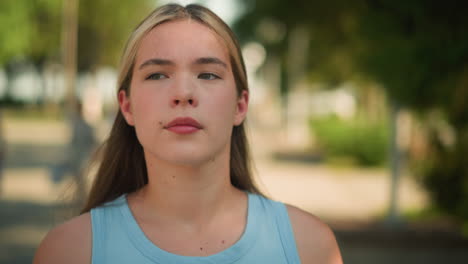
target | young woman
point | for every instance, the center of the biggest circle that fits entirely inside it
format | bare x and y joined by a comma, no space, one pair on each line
174,184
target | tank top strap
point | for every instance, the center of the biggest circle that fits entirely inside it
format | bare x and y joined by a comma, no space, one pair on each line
97,219
279,213
100,226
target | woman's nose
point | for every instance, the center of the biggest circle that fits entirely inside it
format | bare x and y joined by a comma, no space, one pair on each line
183,102
183,93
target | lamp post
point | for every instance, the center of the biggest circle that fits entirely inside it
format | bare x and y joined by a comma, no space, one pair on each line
394,217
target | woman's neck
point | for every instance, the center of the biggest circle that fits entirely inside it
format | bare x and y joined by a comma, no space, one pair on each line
188,195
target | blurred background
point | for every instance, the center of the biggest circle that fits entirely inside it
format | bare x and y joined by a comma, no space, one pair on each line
358,115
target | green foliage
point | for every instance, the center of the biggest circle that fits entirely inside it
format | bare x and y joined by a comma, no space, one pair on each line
416,50
331,26
419,51
32,29
362,141
104,27
444,174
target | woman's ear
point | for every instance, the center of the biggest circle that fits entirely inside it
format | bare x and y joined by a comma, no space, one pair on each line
242,107
125,107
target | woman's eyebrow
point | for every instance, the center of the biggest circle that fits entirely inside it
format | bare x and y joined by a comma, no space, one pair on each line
156,61
203,60
210,60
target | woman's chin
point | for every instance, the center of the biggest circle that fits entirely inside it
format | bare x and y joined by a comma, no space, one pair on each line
187,156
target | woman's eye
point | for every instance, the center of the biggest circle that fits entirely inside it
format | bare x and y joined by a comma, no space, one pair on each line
208,76
156,76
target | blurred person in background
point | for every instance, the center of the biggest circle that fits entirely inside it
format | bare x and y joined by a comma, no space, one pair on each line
79,149
174,184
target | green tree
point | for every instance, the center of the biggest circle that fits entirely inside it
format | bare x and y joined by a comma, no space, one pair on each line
416,50
31,30
104,26
14,28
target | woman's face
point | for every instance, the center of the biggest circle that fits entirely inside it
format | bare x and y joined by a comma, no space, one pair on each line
183,101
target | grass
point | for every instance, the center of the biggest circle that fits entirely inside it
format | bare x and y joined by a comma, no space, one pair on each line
33,113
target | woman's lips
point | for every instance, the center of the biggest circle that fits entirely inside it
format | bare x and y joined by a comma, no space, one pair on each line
183,125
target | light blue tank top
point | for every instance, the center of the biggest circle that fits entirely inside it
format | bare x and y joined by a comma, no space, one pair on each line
267,238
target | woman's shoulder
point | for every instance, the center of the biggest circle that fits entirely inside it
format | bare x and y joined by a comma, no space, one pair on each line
69,242
315,240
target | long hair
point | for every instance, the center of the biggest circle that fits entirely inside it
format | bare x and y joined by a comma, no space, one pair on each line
122,167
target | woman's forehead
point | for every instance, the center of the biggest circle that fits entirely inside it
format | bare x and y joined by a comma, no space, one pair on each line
181,40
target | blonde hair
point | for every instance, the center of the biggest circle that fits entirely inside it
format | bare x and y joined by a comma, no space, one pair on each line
122,168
